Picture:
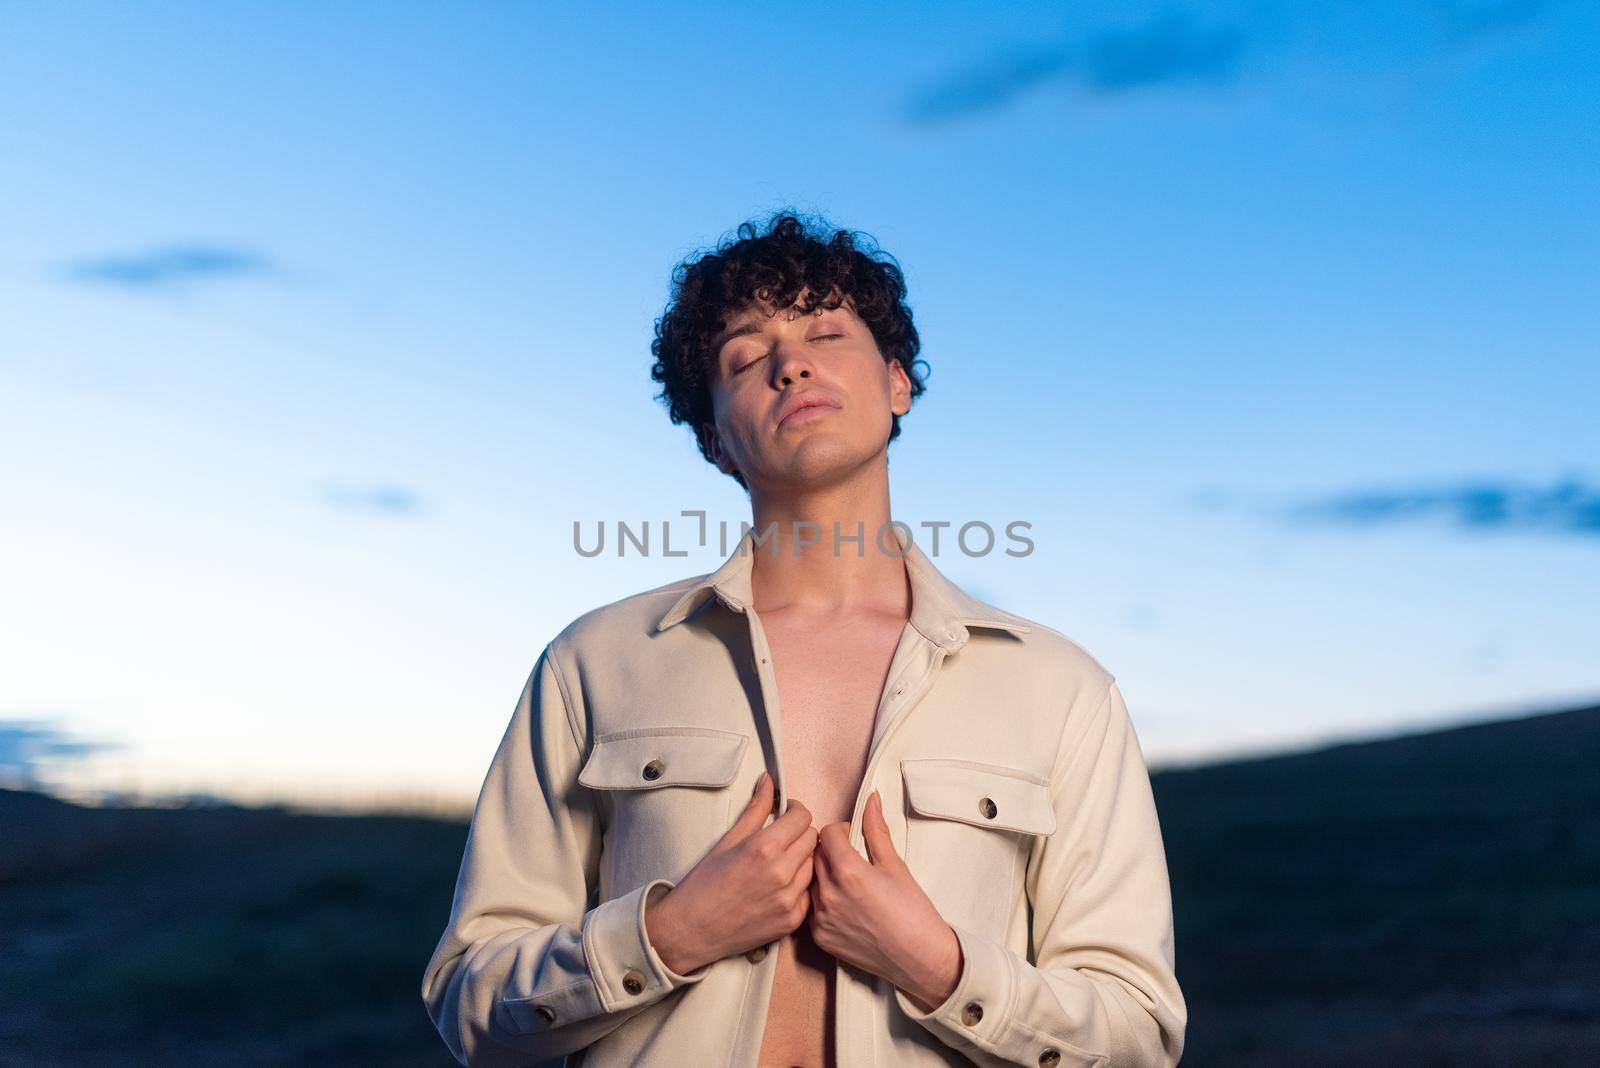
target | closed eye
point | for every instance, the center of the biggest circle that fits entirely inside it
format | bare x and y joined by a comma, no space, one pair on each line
758,359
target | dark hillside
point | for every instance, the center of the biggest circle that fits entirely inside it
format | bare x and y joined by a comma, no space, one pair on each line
1427,899
1424,900
217,935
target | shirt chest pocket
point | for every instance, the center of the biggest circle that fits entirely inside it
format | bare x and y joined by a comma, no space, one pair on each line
667,796
969,828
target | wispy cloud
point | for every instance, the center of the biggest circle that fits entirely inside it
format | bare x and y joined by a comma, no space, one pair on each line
1176,47
385,498
1171,47
1466,20
169,267
1568,506
29,746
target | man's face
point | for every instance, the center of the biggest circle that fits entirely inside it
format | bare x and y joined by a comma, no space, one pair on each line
769,364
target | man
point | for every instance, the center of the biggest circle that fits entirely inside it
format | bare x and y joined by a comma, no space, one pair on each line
976,873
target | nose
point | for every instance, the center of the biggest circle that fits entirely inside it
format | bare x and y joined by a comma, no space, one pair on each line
791,364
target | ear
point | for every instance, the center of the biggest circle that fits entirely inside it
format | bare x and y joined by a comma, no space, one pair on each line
899,389
713,441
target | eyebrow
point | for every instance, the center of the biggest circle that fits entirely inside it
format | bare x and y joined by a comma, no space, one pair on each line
728,335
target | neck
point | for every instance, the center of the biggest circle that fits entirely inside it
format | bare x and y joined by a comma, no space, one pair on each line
804,566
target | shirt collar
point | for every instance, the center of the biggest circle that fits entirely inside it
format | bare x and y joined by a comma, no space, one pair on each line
940,610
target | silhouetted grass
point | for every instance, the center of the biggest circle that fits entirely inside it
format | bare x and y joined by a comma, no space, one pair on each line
222,936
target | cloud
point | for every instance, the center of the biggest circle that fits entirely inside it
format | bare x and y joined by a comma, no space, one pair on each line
1466,20
1141,615
1171,47
169,266
1566,507
27,746
386,498
1174,47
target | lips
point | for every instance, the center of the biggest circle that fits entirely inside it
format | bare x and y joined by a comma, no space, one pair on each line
804,402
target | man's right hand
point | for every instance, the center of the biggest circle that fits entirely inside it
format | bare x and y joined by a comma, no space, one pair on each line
752,887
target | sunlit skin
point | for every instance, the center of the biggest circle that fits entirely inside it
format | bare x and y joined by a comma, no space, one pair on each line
824,466
788,468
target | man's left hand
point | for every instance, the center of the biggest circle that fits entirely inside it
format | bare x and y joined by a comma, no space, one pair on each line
872,913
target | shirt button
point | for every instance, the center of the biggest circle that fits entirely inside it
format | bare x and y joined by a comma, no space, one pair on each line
1049,1058
757,955
653,769
547,1015
972,1013
987,807
633,981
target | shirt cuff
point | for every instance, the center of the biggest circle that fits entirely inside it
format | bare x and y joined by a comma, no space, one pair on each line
974,1013
626,968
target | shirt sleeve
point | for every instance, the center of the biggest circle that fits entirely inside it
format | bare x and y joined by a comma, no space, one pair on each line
522,970
1104,991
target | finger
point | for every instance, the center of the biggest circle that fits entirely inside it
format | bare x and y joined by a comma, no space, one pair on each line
820,872
823,883
880,846
833,842
754,814
799,851
794,822
803,875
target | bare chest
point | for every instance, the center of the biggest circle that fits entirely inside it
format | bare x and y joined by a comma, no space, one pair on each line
830,680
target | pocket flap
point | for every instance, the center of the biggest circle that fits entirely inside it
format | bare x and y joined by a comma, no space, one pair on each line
984,795
644,758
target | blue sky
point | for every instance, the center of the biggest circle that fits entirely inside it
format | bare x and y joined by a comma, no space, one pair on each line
1277,321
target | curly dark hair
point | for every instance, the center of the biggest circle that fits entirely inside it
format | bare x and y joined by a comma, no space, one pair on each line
772,264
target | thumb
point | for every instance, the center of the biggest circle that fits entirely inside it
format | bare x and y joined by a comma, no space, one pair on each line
880,846
754,815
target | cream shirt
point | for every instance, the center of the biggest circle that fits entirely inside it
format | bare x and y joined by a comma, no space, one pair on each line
1012,782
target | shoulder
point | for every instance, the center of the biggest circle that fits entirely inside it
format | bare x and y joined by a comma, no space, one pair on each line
1043,652
619,625
1037,640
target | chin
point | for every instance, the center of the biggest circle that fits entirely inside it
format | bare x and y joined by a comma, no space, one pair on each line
822,462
